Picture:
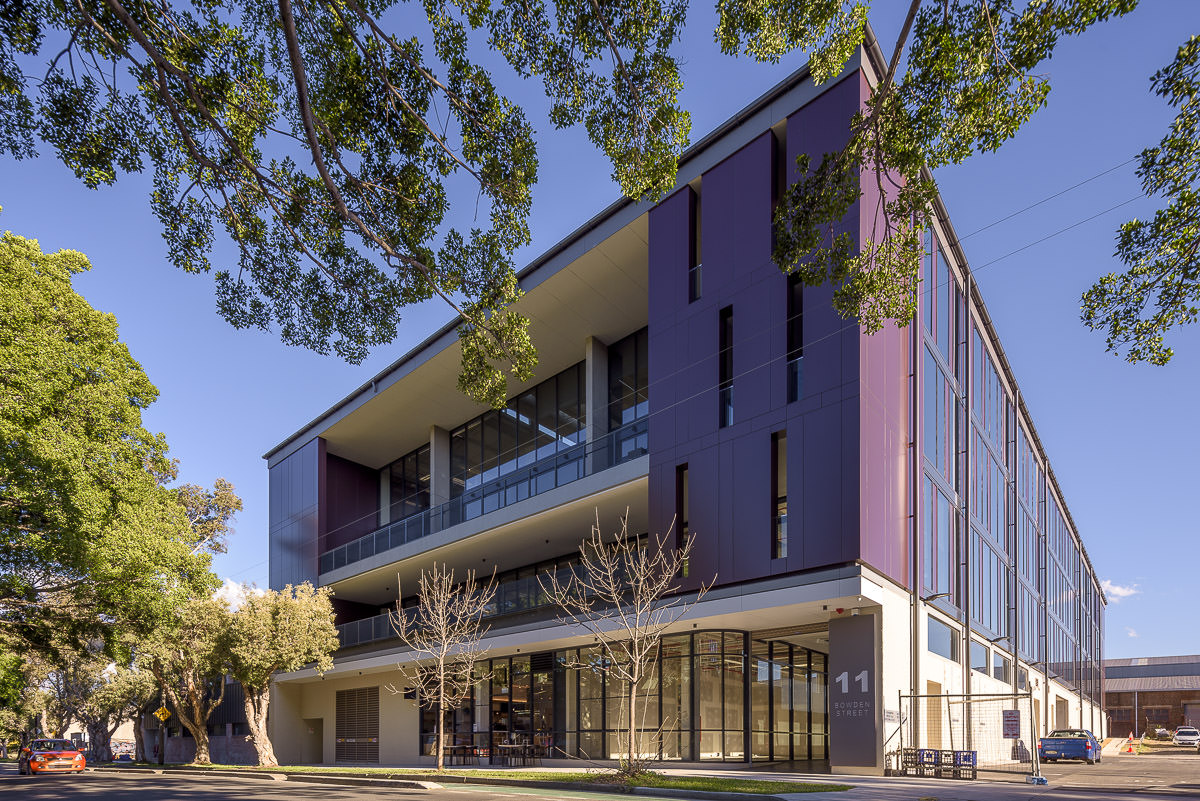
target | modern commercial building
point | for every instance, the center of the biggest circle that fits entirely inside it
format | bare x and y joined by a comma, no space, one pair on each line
877,511
1152,692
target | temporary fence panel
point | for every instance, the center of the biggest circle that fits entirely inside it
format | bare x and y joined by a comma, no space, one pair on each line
960,736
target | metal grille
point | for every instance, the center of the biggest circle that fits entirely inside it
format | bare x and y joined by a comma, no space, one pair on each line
357,725
960,736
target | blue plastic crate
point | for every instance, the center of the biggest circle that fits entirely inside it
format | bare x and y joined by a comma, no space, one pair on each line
966,759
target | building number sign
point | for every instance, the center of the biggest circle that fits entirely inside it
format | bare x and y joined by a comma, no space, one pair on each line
843,679
862,707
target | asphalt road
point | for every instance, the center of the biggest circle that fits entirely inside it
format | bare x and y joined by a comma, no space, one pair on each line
1176,773
1173,777
104,786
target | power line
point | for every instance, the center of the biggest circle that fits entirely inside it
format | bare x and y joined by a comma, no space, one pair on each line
853,324
1047,199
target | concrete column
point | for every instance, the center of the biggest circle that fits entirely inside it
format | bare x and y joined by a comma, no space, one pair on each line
385,496
596,369
439,466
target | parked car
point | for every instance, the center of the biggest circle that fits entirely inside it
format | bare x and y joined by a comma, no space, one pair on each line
1069,744
1186,735
50,756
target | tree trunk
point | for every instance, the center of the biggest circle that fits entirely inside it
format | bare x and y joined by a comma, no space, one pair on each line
99,739
194,717
200,735
440,729
257,701
139,738
629,764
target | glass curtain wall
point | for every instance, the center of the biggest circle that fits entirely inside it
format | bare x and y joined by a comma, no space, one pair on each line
542,422
629,393
698,704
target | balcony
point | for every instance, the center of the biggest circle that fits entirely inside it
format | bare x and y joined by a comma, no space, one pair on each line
617,447
516,595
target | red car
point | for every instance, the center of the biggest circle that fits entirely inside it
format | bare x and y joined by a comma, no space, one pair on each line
50,756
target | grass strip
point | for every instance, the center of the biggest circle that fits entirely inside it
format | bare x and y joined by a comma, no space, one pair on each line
715,784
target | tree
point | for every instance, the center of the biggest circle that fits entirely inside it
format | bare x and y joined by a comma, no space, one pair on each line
20,697
117,695
623,593
329,147
187,657
444,632
209,513
278,631
1161,288
89,535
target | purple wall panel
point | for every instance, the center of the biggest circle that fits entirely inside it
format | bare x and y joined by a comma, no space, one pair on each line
703,480
827,484
821,492
752,506
351,501
884,410
847,433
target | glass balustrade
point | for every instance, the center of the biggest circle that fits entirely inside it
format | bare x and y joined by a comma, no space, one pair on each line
622,445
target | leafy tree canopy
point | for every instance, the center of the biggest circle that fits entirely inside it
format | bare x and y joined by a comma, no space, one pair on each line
1161,288
324,140
89,535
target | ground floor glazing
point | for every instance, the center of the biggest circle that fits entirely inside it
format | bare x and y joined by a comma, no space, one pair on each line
712,696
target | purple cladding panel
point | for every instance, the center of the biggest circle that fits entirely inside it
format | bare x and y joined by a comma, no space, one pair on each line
884,411
351,501
846,434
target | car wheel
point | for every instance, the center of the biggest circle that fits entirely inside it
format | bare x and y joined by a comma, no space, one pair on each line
1091,762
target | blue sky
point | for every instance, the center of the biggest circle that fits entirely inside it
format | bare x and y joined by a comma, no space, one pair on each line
1121,438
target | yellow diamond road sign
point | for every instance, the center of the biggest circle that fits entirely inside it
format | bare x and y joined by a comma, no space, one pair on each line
162,713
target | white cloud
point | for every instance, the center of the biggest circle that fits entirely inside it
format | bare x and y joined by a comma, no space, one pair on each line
1130,632
234,593
1117,592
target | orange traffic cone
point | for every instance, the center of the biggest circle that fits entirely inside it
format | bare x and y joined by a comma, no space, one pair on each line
1129,744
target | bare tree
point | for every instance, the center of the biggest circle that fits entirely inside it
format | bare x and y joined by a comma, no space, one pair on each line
623,592
444,632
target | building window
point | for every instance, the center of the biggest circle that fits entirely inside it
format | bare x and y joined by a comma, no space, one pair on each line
940,421
409,484
943,640
940,549
779,510
1001,668
681,505
1022,679
979,657
795,338
695,255
725,368
628,380
546,419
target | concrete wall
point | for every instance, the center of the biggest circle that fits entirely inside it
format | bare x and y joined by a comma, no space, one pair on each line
302,712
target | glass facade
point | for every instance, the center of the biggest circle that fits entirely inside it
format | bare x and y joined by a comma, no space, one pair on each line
629,392
544,420
993,536
408,479
710,697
